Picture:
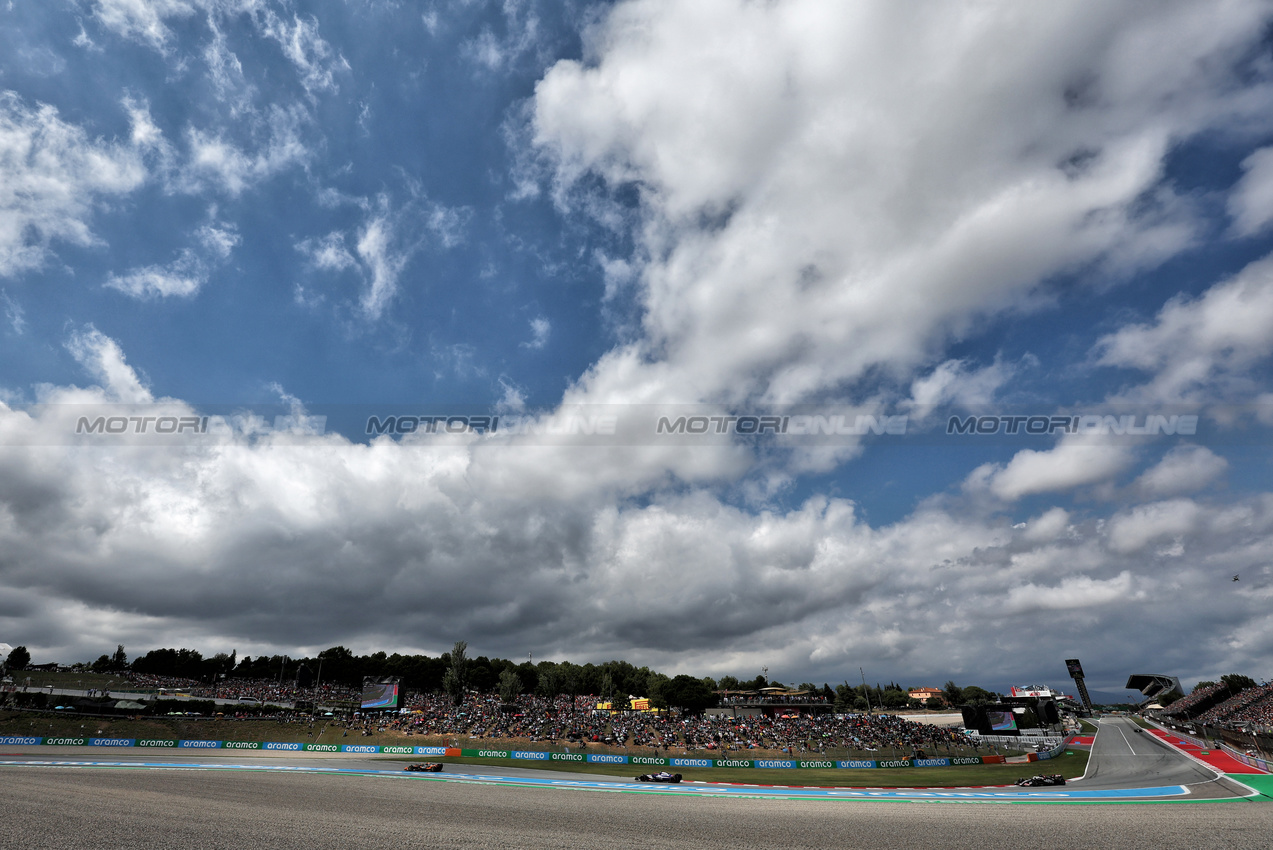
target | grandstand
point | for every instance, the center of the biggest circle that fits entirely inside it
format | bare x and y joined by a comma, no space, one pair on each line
1154,686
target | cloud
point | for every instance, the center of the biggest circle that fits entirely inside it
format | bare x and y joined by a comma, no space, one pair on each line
102,358
215,160
1199,348
13,313
540,329
956,382
814,212
142,20
1133,530
52,178
517,546
1183,469
1070,465
313,58
184,276
381,247
1251,202
145,22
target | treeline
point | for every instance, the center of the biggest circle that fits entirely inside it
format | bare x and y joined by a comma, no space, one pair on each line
612,679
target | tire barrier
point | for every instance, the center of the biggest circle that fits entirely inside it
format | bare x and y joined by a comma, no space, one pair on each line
511,755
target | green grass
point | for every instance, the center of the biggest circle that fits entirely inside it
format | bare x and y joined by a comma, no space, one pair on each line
1087,728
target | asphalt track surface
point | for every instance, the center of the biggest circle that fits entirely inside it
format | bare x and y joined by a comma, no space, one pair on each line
130,805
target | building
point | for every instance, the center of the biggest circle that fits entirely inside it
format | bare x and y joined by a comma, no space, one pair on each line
924,694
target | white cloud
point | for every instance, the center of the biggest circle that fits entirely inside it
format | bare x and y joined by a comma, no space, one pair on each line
313,57
514,545
141,20
956,382
184,276
1183,469
815,210
1048,526
102,358
382,246
1200,348
1135,529
1071,464
214,159
181,278
1251,202
13,313
52,177
540,329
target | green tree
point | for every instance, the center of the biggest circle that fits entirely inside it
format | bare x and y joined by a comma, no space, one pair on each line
119,661
510,685
18,659
688,694
895,699
952,693
974,695
456,679
1237,682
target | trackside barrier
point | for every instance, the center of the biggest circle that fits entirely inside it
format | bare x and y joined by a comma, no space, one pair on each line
524,755
1250,761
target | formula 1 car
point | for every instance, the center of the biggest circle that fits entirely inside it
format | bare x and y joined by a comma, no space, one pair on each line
661,776
426,766
1041,779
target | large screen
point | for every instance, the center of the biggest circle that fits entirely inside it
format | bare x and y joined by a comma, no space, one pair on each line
379,693
1074,667
1001,721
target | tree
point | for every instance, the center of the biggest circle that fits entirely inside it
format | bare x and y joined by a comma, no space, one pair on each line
895,699
1237,682
974,695
952,693
119,661
510,685
102,664
456,679
688,694
18,659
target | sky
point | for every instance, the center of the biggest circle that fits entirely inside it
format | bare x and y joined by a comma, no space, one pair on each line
918,341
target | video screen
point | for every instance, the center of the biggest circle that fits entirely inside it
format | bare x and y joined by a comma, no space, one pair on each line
1075,668
1001,721
379,693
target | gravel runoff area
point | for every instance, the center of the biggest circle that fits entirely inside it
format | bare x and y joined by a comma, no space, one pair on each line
140,808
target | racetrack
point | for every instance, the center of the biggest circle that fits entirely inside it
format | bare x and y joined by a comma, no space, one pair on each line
303,803
138,808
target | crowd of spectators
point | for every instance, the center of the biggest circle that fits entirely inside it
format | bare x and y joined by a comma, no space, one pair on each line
1185,706
1252,706
563,721
260,690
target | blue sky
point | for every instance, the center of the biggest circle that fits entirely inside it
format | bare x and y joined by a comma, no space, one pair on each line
354,208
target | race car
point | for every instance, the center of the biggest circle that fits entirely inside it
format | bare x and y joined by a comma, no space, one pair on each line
426,766
661,776
1041,779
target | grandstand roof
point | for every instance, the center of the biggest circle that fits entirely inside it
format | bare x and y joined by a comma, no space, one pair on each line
1153,685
